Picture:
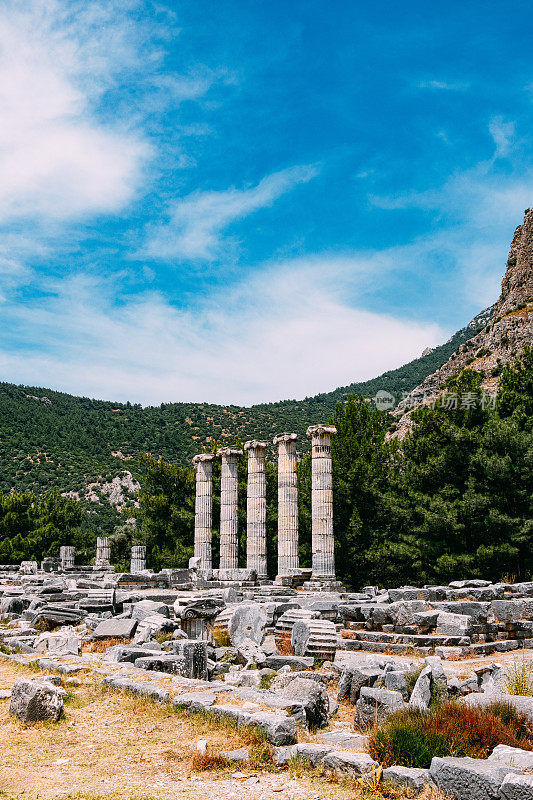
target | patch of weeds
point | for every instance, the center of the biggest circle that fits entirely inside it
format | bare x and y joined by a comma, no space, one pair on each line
299,766
220,636
203,762
412,738
162,637
412,675
261,755
439,693
266,681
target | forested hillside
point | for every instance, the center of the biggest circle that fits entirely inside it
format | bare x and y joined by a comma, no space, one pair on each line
54,440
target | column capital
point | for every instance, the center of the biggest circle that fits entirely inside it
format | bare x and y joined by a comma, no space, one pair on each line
254,444
321,430
202,457
284,437
228,452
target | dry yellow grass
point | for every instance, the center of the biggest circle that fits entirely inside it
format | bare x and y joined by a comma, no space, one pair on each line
113,746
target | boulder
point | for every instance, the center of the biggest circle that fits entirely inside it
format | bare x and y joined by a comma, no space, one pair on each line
248,621
248,653
36,700
314,698
239,755
396,681
512,757
453,624
145,608
189,662
311,751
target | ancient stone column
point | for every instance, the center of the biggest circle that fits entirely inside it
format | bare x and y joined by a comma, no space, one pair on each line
103,552
203,512
322,503
256,549
66,554
138,559
229,510
288,561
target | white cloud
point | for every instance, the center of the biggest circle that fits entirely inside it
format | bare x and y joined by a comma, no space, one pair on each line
503,134
196,222
56,160
289,332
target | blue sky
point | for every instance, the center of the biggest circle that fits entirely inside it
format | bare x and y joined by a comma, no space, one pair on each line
240,202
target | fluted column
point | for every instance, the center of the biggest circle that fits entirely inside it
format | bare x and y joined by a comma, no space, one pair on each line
288,560
322,503
256,549
203,512
138,559
66,554
229,508
103,552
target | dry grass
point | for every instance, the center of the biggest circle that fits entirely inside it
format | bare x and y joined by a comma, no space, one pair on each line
283,644
101,645
219,636
114,746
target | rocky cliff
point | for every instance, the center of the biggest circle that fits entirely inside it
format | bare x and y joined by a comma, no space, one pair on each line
504,337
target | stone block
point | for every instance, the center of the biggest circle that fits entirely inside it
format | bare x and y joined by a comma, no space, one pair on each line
294,662
421,694
36,700
314,698
453,624
115,629
239,755
512,757
342,763
517,787
468,778
375,705
279,730
194,701
412,777
61,643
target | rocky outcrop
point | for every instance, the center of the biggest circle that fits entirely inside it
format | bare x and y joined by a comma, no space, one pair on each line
499,342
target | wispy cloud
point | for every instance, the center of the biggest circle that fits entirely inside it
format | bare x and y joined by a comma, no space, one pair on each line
443,85
147,350
503,134
196,223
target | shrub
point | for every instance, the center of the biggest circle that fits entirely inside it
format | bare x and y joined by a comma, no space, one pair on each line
520,723
519,679
411,737
402,740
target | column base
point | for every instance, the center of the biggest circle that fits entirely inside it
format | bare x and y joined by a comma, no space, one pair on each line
294,578
318,584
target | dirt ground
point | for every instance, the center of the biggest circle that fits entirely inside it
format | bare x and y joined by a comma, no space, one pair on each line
112,746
